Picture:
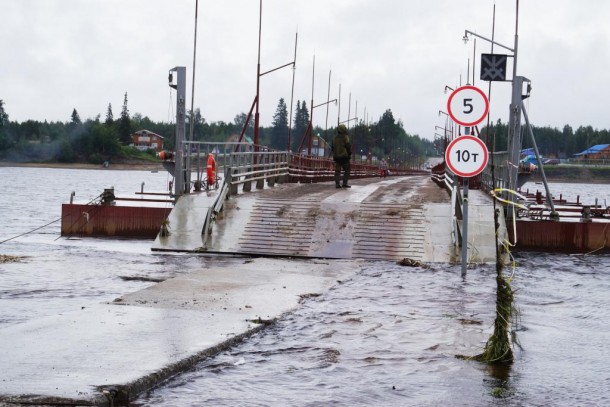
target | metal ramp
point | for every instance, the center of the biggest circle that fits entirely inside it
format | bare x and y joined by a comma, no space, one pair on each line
279,227
324,229
390,231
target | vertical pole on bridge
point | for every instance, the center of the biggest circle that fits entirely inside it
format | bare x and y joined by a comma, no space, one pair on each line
465,219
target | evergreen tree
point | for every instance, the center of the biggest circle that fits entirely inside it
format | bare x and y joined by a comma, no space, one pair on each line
567,137
387,132
125,124
75,118
75,127
109,116
301,122
4,142
279,131
3,115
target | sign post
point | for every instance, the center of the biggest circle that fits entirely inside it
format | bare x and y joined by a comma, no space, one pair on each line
466,156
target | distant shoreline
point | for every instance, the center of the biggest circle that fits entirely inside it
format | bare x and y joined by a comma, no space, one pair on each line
136,166
574,175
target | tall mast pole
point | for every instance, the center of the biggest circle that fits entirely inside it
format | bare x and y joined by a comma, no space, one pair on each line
192,118
514,129
258,76
294,68
313,76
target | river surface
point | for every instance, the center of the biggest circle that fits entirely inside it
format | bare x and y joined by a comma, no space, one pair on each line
386,337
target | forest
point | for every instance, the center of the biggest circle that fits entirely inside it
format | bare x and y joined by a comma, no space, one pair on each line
552,142
96,140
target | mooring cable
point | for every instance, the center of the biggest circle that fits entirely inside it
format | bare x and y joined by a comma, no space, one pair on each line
44,226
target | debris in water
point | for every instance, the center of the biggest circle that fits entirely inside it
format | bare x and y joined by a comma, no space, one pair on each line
412,263
141,278
6,258
164,228
260,321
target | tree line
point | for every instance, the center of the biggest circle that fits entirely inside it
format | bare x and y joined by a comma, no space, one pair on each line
551,142
97,140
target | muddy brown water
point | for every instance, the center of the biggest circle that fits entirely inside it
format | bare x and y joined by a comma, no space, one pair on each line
386,337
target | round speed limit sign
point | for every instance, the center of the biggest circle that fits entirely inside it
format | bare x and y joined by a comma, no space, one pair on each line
467,105
466,156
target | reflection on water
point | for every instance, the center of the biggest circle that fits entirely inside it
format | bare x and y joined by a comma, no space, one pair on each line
386,337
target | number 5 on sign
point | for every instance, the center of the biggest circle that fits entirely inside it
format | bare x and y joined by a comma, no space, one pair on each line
467,105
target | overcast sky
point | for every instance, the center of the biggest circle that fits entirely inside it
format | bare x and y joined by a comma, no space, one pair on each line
58,55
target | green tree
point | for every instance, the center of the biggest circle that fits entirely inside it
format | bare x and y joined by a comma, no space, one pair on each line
109,116
66,153
125,124
104,141
4,141
583,137
3,115
75,117
495,136
198,123
279,130
301,123
388,131
239,121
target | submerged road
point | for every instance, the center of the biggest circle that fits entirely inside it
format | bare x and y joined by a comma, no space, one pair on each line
112,352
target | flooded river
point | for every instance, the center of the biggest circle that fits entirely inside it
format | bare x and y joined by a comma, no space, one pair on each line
386,337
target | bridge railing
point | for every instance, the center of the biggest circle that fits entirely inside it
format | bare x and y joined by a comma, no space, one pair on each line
245,163
500,162
244,168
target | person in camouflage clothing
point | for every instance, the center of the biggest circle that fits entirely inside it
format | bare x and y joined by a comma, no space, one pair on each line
342,153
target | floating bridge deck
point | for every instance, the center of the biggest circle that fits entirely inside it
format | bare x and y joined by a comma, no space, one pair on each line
377,219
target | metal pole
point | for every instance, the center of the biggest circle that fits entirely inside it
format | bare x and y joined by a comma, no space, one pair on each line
354,133
192,119
313,76
514,129
339,107
327,106
179,173
465,227
258,79
294,68
549,199
465,219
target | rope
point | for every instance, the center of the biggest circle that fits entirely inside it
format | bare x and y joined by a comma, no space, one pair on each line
43,226
510,191
31,231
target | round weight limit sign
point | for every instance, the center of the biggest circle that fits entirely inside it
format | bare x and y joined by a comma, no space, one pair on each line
467,106
466,156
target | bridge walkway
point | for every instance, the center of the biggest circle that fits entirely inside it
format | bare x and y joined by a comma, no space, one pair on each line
376,219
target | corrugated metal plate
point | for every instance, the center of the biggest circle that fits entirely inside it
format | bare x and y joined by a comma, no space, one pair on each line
390,231
365,230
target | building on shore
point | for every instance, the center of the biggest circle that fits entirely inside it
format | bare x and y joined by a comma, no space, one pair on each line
147,140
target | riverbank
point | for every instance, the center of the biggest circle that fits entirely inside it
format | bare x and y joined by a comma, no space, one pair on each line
574,174
134,165
559,173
